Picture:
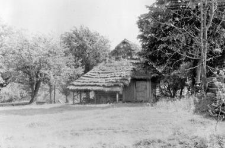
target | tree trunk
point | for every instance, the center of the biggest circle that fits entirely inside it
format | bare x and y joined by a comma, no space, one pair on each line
50,92
199,66
66,98
198,73
34,91
174,92
204,50
181,92
54,94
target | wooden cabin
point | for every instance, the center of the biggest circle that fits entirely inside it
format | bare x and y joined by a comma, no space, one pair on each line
114,81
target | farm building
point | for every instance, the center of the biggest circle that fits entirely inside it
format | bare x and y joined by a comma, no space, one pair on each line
114,81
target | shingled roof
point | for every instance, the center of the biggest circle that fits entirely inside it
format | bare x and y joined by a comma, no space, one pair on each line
108,76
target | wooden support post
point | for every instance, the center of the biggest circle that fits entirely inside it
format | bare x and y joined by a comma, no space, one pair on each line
66,98
80,96
95,98
73,97
148,91
135,93
117,97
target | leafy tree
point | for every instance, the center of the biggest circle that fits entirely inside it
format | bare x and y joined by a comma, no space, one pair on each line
67,76
90,48
36,60
6,34
172,37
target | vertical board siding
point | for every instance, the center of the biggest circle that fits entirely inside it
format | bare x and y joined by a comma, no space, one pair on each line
135,93
105,97
137,90
148,91
142,93
128,92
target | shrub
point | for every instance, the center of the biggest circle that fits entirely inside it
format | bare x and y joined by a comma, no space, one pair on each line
12,92
217,105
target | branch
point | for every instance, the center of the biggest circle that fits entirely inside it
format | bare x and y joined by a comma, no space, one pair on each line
193,67
211,16
222,20
210,68
194,58
178,61
213,58
181,30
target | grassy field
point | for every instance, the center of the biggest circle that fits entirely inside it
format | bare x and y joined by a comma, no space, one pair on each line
166,124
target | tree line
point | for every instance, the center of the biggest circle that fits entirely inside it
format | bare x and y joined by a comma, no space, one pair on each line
35,61
184,41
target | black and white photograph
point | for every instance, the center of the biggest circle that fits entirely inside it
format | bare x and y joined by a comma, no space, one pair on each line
112,73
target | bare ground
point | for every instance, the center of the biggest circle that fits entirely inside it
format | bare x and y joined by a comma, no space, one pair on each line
111,125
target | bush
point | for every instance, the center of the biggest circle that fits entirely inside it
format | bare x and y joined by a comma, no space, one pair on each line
217,106
201,105
13,92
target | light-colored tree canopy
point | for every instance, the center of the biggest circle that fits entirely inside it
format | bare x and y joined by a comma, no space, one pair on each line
90,48
36,60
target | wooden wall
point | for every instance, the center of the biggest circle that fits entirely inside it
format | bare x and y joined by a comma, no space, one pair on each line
139,91
129,92
105,97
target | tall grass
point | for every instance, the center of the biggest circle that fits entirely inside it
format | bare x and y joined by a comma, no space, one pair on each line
193,110
183,141
189,103
184,104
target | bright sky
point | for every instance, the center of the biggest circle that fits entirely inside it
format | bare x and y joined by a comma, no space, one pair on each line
114,19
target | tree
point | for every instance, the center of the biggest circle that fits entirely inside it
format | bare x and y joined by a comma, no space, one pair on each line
36,60
88,47
6,34
172,37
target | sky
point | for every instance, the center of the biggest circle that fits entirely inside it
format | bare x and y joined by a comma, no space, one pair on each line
114,19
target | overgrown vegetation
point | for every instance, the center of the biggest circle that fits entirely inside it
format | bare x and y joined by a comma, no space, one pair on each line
178,140
217,106
177,34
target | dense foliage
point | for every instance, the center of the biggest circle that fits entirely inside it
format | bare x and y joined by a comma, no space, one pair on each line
29,63
171,38
36,60
90,48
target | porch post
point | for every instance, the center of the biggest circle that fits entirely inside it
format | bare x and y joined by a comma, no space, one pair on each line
95,98
73,97
80,96
117,97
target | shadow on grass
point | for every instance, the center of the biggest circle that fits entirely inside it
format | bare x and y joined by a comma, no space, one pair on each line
36,110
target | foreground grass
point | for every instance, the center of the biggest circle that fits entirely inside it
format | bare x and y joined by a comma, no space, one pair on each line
166,124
